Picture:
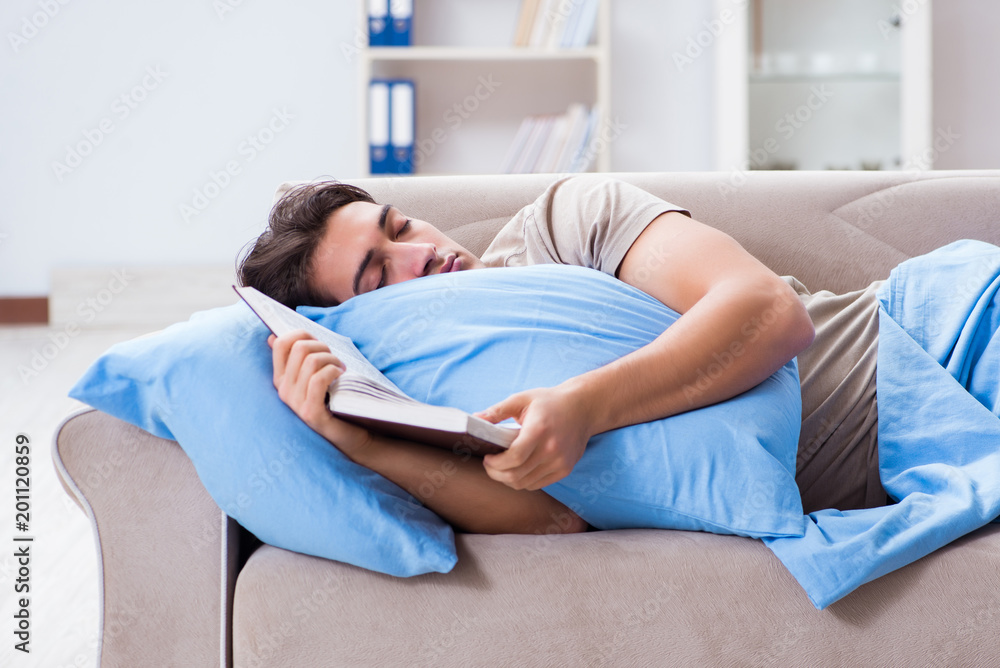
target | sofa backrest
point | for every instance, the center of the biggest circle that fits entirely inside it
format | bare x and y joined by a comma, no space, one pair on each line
832,230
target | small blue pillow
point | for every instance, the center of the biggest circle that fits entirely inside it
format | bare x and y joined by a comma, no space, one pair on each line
207,383
472,338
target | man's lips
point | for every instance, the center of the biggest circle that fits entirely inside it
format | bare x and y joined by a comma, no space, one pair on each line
451,263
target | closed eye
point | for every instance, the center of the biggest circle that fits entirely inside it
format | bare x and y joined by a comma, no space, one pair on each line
403,228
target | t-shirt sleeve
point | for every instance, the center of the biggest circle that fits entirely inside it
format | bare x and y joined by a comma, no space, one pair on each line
588,221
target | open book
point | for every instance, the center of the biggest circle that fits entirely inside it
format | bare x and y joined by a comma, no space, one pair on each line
365,397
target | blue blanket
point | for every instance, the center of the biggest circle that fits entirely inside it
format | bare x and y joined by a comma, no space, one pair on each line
938,388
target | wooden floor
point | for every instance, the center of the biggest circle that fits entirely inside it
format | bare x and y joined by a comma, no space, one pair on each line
39,366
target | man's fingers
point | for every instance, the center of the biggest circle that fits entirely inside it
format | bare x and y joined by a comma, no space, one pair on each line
511,407
515,465
281,347
314,406
297,356
513,478
544,481
301,350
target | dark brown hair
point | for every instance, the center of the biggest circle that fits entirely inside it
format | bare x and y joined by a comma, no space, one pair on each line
279,263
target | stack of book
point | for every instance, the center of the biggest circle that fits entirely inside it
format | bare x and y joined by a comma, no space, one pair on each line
553,143
556,23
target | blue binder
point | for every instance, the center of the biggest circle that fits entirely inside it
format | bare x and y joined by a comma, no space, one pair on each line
378,23
378,127
400,22
391,125
402,114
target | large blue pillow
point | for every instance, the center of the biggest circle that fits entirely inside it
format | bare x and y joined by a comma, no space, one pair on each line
472,338
207,384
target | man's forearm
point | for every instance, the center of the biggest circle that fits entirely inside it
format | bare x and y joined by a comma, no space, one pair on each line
456,487
727,343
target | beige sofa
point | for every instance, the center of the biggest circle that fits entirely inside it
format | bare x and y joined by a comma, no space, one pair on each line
182,585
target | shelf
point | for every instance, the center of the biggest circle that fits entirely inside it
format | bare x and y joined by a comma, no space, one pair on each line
461,128
779,61
445,53
809,77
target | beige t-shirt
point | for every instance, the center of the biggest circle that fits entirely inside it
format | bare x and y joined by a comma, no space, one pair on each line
587,221
592,221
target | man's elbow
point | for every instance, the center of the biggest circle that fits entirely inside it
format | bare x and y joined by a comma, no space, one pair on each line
797,325
780,318
804,331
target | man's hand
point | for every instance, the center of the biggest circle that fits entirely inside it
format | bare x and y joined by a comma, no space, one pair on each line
554,432
304,368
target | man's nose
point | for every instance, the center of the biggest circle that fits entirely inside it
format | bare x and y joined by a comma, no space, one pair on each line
417,260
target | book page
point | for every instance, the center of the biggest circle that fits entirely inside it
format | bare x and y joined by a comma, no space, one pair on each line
281,320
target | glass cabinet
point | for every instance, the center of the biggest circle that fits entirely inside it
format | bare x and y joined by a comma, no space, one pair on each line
823,84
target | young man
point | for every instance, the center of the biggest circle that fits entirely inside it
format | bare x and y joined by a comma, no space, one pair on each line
328,242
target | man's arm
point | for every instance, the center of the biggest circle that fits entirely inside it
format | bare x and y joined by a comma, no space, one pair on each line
454,486
740,323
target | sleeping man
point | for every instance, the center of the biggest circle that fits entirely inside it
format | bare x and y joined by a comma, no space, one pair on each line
329,242
662,377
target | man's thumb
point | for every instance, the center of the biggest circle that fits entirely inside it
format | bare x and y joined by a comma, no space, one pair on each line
500,411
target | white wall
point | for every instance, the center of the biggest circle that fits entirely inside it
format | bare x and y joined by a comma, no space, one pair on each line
966,90
221,77
224,76
659,92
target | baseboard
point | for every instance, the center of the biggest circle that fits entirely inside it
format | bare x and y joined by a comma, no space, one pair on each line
24,310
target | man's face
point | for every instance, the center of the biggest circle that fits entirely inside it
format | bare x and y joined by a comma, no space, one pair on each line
367,246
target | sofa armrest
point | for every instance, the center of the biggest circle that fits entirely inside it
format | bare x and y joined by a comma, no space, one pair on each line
167,554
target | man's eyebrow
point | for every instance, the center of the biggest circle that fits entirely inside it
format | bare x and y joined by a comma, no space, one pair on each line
371,253
381,218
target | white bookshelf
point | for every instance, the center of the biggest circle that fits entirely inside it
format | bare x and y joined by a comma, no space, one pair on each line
772,55
447,69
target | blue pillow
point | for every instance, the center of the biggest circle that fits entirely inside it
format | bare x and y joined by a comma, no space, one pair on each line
472,338
207,383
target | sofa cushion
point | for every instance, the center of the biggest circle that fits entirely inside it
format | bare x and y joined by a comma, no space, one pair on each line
472,338
207,383
615,598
